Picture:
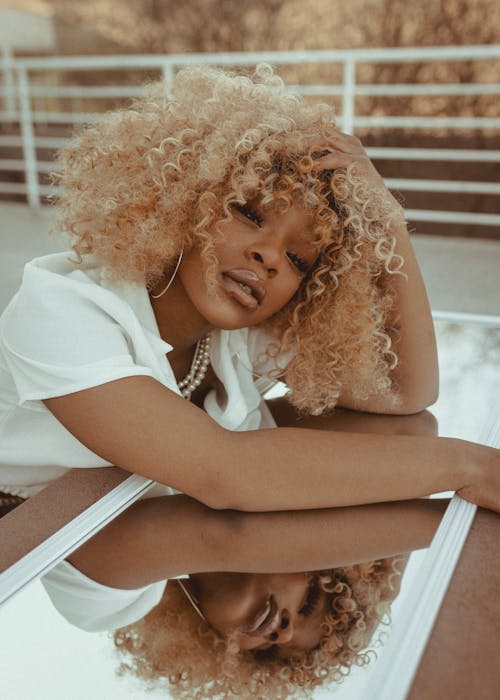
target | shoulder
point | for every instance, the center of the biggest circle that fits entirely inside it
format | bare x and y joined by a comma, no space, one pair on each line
93,606
58,299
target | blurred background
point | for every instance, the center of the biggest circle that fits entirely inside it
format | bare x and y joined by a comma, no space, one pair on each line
417,82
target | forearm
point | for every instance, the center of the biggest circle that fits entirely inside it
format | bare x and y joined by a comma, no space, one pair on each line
345,420
294,468
322,539
159,538
266,470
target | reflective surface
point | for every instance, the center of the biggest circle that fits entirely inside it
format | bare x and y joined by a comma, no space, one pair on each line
43,656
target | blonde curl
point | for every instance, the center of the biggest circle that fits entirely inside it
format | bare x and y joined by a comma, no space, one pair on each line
172,648
143,183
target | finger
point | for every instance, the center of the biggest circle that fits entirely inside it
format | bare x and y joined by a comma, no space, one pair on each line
348,142
337,159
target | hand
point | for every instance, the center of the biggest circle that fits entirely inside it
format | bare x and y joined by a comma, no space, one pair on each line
348,152
484,489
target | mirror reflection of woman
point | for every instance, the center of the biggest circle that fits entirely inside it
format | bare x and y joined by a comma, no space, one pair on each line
226,235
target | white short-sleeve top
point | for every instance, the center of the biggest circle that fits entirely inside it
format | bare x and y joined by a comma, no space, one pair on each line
69,328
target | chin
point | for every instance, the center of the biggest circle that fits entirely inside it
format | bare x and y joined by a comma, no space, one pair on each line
225,317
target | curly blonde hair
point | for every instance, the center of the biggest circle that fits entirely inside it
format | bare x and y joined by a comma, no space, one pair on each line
172,648
146,182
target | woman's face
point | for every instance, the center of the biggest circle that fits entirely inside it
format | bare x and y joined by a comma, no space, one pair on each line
262,259
263,610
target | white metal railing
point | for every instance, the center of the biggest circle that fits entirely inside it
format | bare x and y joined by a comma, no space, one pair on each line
20,89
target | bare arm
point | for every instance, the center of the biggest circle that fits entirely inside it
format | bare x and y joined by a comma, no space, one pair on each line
139,425
416,377
160,538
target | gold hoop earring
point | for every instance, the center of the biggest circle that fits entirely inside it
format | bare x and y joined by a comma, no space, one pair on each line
157,296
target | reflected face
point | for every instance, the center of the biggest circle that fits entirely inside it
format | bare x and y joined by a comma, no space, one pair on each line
263,610
263,257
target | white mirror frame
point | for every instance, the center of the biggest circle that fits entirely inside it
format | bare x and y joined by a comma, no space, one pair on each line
400,657
58,546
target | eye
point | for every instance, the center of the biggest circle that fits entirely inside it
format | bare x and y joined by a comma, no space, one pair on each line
298,262
249,213
311,601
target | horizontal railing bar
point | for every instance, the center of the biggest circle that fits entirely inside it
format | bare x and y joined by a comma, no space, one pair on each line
10,140
420,185
109,91
430,89
389,152
62,117
465,317
432,215
13,187
395,90
13,164
452,217
381,55
375,152
22,188
51,141
379,121
40,141
408,184
430,122
85,91
415,185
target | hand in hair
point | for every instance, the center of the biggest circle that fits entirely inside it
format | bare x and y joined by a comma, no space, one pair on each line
347,151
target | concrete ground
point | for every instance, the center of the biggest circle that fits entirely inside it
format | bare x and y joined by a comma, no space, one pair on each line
462,275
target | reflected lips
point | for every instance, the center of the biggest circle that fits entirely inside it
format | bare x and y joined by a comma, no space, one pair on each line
267,621
244,286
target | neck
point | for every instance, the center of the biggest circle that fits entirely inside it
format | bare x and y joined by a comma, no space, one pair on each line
178,320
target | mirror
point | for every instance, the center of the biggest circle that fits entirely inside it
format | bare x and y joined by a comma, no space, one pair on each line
41,639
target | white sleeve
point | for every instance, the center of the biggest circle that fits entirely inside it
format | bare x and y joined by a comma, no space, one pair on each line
62,334
94,607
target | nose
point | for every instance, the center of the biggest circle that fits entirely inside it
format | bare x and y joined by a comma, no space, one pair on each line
266,255
284,632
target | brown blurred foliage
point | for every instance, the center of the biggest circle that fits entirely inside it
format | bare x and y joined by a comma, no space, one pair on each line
170,26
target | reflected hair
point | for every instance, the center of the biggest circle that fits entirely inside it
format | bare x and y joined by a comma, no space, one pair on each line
172,648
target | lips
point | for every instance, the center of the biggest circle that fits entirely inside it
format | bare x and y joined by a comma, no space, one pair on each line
244,286
268,621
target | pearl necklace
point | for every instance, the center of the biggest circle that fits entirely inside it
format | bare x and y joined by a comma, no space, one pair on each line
198,368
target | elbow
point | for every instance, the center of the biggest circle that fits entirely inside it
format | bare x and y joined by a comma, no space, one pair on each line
226,497
409,406
415,399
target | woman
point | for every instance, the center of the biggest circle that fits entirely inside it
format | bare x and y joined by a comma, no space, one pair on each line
225,235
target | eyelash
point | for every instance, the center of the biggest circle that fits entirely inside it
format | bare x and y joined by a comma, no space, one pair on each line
249,213
299,263
312,598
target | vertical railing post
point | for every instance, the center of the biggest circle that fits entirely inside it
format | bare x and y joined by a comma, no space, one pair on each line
28,138
167,70
9,83
349,95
